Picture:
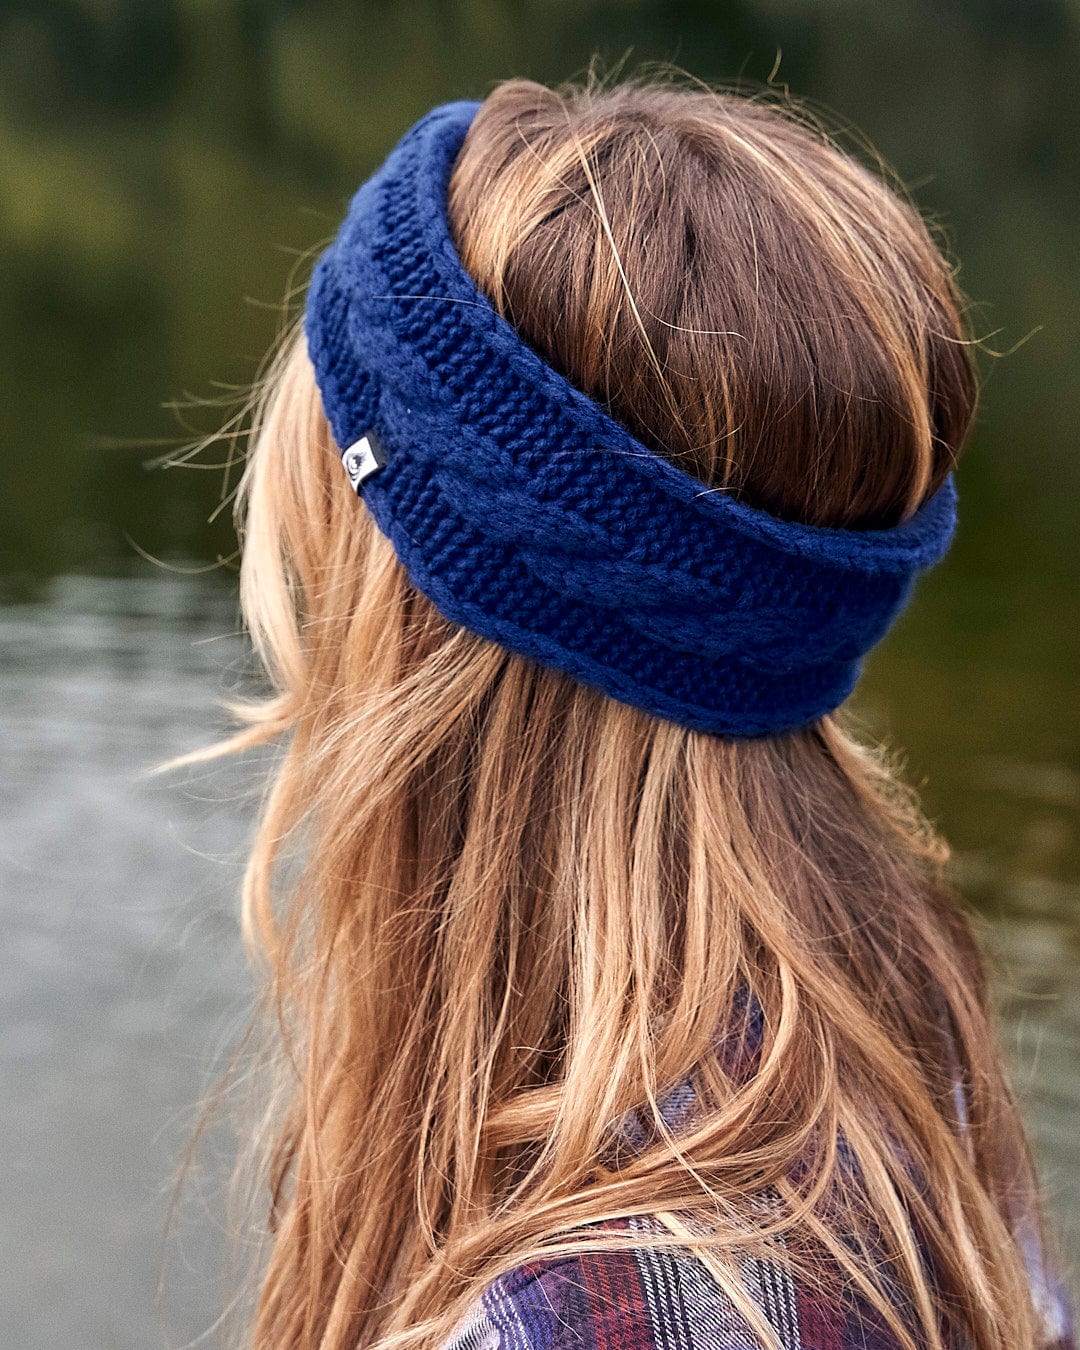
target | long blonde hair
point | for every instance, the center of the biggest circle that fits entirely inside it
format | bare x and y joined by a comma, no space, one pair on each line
525,910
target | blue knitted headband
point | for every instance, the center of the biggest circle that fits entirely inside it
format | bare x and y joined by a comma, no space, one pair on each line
524,512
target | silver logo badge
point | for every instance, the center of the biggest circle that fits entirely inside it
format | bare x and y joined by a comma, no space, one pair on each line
363,458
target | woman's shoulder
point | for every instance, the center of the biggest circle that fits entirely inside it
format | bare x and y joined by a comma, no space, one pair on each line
637,1298
641,1298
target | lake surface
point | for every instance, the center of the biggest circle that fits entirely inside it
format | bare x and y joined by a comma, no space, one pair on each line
122,985
123,988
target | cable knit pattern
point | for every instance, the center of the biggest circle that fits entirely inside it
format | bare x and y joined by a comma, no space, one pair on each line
526,513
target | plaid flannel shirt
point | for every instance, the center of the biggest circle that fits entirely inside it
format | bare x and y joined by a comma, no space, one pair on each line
644,1298
647,1298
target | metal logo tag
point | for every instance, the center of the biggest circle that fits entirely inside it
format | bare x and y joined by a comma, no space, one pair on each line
363,458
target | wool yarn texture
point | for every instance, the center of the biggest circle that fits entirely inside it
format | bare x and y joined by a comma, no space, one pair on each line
529,515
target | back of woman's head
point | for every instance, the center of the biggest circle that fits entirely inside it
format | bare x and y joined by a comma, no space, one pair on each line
527,909
754,304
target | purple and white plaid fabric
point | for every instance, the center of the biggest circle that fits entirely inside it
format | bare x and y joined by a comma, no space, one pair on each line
634,1299
643,1298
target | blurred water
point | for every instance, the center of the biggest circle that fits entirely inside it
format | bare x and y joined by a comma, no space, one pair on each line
121,980
122,984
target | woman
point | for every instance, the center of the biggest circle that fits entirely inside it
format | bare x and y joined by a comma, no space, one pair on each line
623,1001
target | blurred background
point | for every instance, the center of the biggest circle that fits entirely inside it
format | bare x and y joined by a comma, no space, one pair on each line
166,167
